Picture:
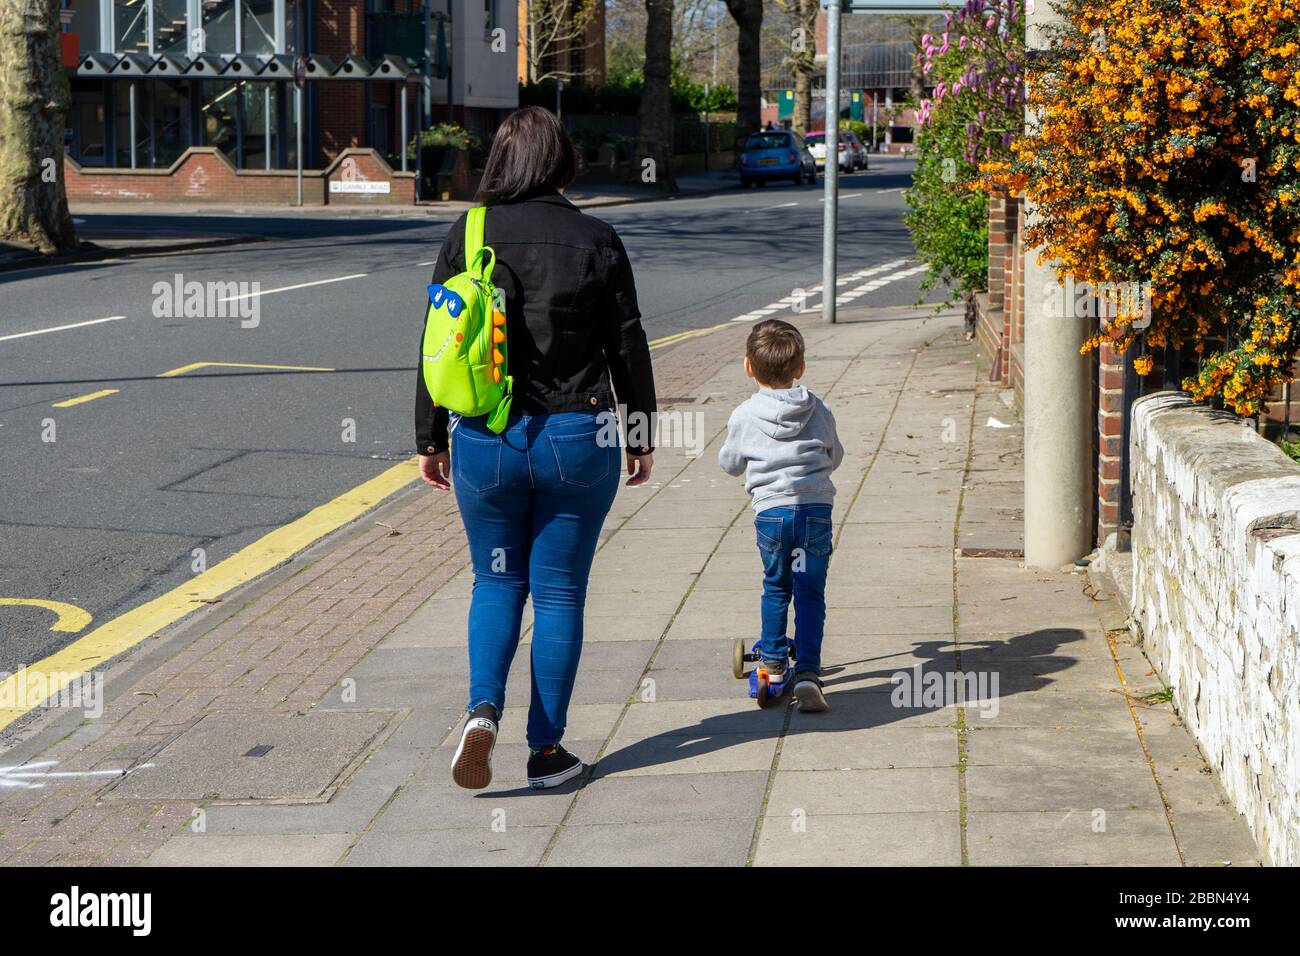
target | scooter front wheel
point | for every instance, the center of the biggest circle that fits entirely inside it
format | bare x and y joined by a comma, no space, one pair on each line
738,659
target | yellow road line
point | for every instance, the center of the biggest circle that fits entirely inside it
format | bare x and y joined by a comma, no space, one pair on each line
194,366
70,620
137,625
690,334
82,399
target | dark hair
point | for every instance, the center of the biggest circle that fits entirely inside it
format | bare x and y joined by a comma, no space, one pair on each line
775,352
531,153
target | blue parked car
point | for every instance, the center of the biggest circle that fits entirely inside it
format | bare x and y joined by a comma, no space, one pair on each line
776,154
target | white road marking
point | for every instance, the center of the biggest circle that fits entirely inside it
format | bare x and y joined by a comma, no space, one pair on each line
862,274
849,196
784,205
781,305
290,288
61,328
28,776
874,284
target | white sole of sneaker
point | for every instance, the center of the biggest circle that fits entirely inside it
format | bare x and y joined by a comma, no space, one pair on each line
555,779
471,767
810,697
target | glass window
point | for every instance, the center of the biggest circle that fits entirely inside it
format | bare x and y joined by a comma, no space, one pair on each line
220,124
85,23
170,27
123,132
171,121
259,26
218,26
258,101
768,141
130,26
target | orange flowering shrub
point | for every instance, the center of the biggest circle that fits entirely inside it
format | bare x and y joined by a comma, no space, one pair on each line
1168,154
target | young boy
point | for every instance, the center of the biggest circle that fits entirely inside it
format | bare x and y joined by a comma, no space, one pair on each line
783,440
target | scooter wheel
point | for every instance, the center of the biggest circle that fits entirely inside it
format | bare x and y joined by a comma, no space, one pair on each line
738,659
762,695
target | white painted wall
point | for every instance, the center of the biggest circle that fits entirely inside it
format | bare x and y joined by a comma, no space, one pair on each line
479,76
1216,594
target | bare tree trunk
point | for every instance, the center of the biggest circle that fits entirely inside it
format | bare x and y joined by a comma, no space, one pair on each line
748,15
34,101
804,64
917,27
655,135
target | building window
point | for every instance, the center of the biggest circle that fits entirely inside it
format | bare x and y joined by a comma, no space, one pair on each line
130,26
219,26
171,27
259,26
85,23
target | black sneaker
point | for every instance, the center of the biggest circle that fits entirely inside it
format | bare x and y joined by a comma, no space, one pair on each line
471,768
808,692
552,766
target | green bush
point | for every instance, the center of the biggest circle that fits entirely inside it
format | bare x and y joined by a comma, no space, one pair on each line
948,221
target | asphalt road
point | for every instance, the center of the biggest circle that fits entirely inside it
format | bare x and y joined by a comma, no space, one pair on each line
108,513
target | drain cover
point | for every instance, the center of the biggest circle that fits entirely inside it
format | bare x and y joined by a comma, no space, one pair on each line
302,758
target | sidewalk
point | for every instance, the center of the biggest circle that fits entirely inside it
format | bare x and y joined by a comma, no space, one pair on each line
349,665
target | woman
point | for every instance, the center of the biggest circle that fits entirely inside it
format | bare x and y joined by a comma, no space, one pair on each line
533,498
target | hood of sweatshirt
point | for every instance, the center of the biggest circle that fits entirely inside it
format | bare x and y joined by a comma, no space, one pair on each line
782,413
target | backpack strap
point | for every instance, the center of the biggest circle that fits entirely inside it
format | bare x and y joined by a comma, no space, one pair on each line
474,248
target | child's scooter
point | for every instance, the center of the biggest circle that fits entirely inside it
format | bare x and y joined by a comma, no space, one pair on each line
761,687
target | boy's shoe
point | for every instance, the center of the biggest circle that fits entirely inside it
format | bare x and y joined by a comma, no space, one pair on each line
808,692
775,670
552,766
471,768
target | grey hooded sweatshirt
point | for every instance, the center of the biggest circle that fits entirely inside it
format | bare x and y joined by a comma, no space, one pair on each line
784,442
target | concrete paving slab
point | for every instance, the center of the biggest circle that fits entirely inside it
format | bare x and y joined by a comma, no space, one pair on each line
869,748
221,758
861,839
682,843
1121,786
668,798
1070,838
517,846
228,849
831,792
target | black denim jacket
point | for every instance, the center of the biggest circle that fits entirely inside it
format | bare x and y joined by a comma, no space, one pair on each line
572,323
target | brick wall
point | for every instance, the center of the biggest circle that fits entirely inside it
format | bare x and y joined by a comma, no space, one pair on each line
203,174
341,107
998,320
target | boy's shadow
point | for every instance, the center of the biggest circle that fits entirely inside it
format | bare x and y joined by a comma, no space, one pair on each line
1021,663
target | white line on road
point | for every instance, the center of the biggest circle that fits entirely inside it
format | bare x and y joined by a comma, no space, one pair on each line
874,284
290,288
784,205
61,328
789,301
849,196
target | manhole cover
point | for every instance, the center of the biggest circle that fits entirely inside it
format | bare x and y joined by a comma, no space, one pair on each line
240,757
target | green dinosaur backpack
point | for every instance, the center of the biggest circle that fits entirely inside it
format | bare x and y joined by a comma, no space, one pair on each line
463,357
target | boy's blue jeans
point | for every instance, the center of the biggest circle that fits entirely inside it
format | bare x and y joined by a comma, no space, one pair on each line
794,542
533,500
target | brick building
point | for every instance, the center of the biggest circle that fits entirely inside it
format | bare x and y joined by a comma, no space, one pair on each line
152,79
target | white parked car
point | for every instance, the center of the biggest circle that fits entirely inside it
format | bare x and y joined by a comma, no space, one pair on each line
849,156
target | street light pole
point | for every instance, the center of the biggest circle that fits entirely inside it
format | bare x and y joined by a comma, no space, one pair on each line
1057,406
830,178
